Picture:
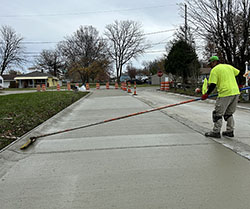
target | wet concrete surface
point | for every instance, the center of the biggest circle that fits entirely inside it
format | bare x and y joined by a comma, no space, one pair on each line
153,160
198,116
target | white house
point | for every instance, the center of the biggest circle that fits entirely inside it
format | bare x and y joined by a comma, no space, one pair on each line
204,73
1,82
9,81
155,79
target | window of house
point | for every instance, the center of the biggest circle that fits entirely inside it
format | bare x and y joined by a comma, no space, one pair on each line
40,81
30,82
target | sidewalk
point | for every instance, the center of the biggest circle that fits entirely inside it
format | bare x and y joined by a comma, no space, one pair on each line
198,116
244,105
143,162
2,93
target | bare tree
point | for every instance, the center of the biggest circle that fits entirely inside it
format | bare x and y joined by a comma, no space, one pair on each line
131,70
11,50
84,49
14,72
51,61
183,33
225,26
154,66
126,42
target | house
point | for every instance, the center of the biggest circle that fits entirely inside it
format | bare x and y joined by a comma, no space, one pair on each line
36,78
155,79
124,78
9,81
1,82
204,73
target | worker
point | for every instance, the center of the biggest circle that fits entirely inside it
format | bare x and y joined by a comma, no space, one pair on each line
223,76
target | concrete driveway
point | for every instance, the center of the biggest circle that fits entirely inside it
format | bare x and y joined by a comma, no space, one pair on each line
148,161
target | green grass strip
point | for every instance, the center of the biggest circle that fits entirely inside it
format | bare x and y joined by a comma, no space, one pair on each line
19,113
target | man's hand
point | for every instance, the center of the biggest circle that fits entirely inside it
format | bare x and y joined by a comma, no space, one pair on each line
204,96
246,74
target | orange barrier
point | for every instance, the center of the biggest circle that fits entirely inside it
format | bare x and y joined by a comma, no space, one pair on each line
129,88
68,86
162,86
38,88
167,85
43,87
87,86
107,85
97,86
125,86
58,87
135,88
116,86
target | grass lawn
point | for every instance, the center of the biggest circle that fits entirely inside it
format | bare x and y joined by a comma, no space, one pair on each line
19,113
190,92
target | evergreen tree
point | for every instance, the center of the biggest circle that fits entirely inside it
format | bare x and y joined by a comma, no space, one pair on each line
182,61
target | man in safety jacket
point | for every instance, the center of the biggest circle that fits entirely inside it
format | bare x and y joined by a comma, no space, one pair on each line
223,76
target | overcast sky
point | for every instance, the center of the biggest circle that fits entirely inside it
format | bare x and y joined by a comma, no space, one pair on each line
52,20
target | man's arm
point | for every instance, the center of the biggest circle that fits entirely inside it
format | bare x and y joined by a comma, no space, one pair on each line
211,87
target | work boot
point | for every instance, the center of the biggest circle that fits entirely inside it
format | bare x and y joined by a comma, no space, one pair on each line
228,133
213,134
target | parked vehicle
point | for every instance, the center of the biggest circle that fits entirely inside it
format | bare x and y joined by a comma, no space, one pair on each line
135,80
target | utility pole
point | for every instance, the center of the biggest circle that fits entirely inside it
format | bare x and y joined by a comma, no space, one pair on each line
185,22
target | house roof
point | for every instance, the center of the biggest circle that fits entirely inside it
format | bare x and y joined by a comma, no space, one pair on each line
205,71
8,77
35,75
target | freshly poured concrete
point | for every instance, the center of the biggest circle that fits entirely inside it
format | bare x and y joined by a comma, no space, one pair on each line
147,161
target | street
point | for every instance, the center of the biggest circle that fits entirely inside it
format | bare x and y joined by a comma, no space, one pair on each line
155,160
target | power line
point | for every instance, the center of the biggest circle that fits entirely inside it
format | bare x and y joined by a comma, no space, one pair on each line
39,42
161,42
156,51
55,42
36,54
84,13
163,31
31,53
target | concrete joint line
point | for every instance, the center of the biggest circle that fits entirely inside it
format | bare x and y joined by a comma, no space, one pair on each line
123,148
